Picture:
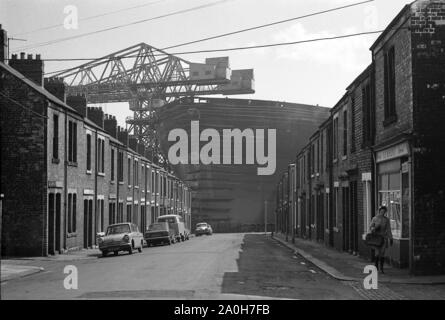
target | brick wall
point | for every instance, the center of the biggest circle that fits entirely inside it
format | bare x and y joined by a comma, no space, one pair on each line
428,39
23,170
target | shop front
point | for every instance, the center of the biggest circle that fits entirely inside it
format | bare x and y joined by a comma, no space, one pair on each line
393,191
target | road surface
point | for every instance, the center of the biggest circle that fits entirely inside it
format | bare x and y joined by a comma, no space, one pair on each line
221,266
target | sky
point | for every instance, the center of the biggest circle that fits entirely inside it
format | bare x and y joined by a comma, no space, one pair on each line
312,73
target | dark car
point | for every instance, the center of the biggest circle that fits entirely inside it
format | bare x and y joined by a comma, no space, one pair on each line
159,233
203,228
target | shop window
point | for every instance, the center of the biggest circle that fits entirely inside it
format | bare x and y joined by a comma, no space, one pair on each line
390,194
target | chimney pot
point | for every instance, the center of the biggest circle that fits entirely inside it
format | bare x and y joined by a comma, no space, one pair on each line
29,56
22,55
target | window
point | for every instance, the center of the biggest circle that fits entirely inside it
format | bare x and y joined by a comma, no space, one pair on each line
312,158
335,206
367,205
100,155
112,165
135,172
129,171
345,133
367,105
56,137
322,152
120,217
390,85
120,166
72,141
72,214
128,213
352,124
88,152
100,209
335,138
111,213
318,155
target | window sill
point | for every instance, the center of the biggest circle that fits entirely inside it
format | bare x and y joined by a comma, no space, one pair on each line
55,161
71,235
334,161
121,183
72,164
89,172
112,182
344,158
136,187
390,120
101,174
336,229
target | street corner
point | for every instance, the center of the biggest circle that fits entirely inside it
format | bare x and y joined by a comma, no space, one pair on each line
15,271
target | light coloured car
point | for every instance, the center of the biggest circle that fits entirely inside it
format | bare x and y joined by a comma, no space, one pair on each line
203,228
176,223
121,237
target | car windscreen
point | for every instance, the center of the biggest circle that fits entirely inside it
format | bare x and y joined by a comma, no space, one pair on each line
157,227
121,228
169,220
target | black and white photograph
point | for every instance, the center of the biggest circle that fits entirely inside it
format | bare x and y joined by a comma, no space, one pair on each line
224,155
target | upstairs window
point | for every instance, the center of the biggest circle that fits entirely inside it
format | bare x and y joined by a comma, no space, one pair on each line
56,137
100,155
335,138
352,124
72,141
120,166
368,107
345,133
390,85
112,165
88,152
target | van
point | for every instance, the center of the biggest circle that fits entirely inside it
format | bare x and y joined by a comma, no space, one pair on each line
176,223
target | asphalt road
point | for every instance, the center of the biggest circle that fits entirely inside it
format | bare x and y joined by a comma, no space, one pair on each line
221,266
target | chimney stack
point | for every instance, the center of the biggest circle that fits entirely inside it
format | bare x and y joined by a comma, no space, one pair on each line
3,45
96,115
56,87
122,136
30,68
79,103
110,125
133,143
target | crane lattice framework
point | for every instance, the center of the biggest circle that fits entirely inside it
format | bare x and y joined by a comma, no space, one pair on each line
148,78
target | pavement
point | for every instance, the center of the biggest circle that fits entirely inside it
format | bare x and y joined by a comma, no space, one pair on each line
346,267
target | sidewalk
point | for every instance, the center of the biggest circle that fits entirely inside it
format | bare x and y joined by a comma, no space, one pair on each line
14,271
83,254
346,267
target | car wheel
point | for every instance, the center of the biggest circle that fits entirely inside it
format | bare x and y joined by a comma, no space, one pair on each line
130,250
116,253
104,253
140,248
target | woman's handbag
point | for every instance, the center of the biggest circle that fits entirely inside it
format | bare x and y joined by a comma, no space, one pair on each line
374,240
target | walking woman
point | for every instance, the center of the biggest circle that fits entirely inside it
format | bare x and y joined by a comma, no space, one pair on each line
380,225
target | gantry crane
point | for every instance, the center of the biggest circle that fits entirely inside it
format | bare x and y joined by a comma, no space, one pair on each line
148,78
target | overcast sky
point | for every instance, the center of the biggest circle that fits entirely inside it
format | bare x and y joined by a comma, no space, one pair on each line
312,73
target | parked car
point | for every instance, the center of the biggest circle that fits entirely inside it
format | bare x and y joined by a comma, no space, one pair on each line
203,228
176,223
159,232
121,237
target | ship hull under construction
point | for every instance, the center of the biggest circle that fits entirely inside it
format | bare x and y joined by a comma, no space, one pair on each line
234,197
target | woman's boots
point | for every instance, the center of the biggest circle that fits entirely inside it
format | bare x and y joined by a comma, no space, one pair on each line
379,261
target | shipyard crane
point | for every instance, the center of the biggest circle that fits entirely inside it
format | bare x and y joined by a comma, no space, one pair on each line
148,78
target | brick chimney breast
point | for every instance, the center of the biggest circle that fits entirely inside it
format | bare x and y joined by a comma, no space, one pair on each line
30,68
78,102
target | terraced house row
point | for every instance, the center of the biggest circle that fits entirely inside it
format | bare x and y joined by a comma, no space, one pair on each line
383,144
68,171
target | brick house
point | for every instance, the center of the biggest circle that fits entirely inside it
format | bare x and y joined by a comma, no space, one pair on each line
67,170
382,147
